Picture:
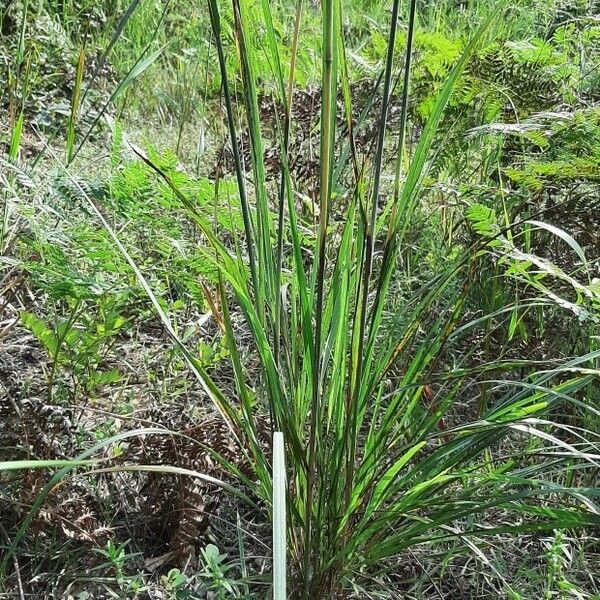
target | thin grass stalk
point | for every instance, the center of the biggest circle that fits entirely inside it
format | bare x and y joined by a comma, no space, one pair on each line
15,122
328,111
403,110
21,47
249,228
285,182
294,55
141,64
347,95
75,103
360,121
13,155
266,280
123,20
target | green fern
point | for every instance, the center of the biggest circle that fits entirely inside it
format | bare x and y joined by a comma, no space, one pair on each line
483,219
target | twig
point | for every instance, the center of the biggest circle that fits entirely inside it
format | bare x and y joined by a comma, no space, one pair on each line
16,565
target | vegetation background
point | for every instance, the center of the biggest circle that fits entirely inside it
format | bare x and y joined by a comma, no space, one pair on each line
373,226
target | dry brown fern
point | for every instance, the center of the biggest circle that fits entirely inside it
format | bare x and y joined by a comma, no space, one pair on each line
178,510
33,429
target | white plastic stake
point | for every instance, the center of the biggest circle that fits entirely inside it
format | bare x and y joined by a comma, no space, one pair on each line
279,501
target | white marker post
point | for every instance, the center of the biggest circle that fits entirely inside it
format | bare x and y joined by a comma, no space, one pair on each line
279,507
